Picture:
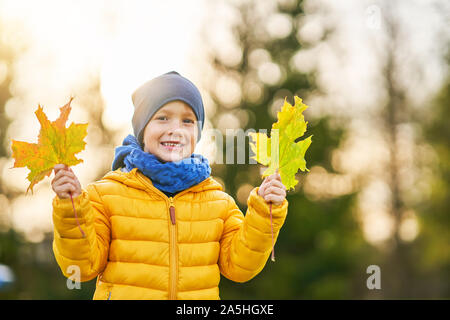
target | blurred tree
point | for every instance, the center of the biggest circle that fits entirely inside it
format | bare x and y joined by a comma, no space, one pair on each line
395,265
37,275
320,251
9,239
431,254
6,61
403,274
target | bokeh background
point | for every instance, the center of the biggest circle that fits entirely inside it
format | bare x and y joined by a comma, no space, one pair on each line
374,73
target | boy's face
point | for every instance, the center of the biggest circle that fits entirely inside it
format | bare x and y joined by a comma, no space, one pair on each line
174,122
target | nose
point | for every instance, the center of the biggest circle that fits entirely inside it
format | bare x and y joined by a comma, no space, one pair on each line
175,129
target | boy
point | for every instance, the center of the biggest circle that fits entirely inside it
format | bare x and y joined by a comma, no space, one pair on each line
158,226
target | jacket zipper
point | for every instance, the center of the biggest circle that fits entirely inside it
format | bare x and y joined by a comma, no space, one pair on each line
172,211
173,252
173,260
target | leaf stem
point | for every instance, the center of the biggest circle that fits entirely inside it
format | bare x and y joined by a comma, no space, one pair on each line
271,229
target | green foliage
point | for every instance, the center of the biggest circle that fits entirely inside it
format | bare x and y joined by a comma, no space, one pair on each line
432,250
36,273
321,252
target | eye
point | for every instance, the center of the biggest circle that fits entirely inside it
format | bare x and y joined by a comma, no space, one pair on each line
189,120
161,118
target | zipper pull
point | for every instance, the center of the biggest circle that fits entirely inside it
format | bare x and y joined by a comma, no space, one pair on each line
172,211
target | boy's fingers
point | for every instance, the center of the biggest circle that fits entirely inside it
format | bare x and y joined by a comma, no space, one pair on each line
277,200
64,179
277,184
272,180
68,187
60,181
60,167
269,178
272,190
275,190
261,188
61,173
65,194
275,176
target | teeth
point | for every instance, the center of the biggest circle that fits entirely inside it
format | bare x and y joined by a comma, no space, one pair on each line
170,144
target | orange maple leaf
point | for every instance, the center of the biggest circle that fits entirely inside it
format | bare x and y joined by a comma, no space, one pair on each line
56,144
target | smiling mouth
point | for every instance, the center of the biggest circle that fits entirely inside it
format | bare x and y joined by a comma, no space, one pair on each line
171,145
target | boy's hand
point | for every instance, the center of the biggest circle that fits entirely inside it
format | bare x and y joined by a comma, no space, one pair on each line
65,182
272,190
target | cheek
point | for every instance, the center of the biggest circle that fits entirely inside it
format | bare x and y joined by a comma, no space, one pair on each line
152,131
193,138
195,134
151,138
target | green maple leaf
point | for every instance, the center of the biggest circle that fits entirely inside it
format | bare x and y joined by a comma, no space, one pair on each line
280,152
56,144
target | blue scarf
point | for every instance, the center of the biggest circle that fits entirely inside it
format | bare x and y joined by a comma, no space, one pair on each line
169,177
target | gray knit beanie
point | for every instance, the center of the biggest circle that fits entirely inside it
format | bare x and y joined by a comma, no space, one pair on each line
155,93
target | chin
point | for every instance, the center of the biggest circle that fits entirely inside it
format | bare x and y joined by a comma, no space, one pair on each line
170,159
163,157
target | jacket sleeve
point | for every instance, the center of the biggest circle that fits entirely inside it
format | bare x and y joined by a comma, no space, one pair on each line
246,242
70,248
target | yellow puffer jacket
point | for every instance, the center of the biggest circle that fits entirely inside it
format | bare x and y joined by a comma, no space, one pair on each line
141,244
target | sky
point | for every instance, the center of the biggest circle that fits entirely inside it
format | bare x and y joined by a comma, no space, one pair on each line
127,42
348,64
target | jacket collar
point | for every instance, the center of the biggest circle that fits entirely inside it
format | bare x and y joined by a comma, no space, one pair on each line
134,179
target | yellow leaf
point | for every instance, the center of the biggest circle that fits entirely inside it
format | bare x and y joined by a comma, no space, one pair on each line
280,152
56,144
